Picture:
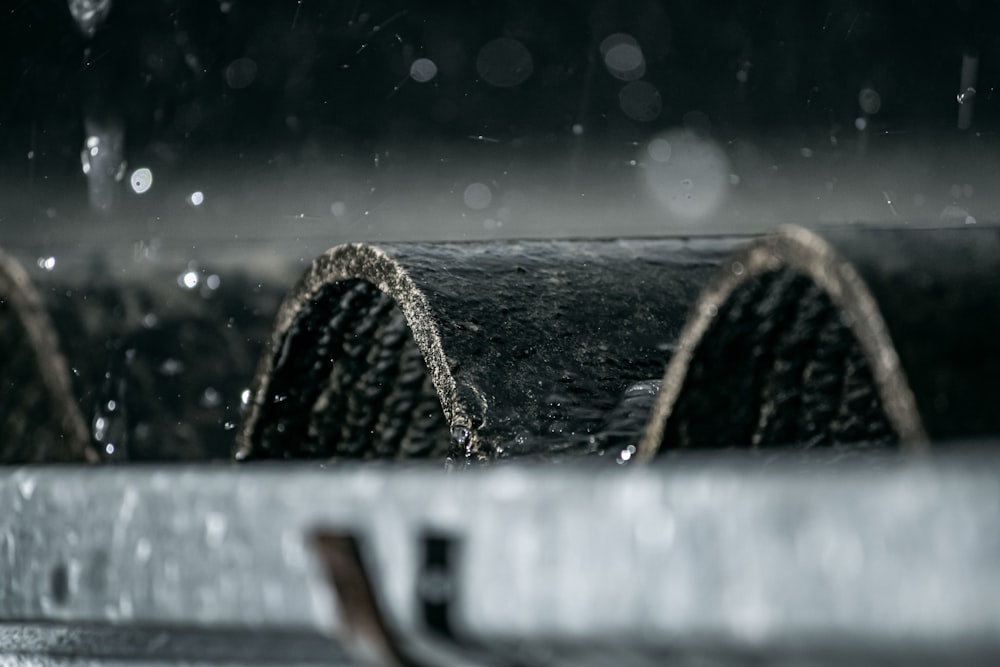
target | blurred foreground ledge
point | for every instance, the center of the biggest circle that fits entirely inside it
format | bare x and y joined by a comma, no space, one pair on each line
724,560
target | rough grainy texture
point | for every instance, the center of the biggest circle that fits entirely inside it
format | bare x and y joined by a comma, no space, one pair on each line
841,336
530,346
763,304
782,367
349,381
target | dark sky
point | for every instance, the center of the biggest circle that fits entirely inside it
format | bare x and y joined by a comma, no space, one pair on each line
300,71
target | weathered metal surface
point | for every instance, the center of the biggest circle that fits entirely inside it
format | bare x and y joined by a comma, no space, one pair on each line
842,336
725,560
529,346
55,643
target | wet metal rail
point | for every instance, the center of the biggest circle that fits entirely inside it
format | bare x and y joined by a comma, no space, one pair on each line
724,561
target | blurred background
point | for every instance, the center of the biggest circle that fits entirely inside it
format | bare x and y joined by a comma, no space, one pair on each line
295,124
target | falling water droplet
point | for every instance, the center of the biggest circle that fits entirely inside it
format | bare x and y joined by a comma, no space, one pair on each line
460,436
102,161
141,180
89,14
423,70
109,429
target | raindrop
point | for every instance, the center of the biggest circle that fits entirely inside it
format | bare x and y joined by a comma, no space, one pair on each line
477,196
188,279
869,101
694,181
26,487
171,367
641,101
966,95
141,180
504,62
643,388
623,57
210,398
626,454
659,149
743,73
109,427
100,428
423,70
89,14
460,436
241,73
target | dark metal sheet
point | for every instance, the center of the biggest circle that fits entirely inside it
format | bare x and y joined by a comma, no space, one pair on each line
852,335
530,345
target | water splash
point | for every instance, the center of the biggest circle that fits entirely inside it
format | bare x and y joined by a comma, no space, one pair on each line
89,14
